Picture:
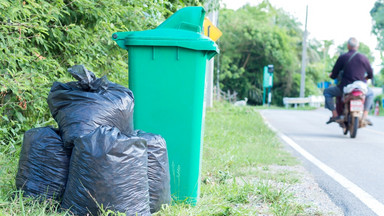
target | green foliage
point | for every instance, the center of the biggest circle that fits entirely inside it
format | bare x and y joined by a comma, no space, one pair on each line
40,39
379,79
257,36
379,98
377,14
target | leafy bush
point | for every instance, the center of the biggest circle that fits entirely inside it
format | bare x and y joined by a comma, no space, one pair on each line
40,39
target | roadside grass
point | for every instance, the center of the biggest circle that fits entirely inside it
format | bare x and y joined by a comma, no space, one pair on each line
238,175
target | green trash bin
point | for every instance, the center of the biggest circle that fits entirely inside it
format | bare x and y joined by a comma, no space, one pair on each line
167,77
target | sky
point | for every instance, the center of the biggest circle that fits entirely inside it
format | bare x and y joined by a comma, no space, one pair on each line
335,20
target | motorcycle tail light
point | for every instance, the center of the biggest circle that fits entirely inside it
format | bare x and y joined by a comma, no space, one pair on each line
357,93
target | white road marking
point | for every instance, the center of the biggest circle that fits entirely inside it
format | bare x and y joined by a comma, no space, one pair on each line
363,196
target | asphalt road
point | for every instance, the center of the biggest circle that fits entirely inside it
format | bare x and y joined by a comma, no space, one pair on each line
359,160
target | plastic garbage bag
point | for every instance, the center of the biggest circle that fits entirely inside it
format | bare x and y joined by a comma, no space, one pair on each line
108,169
43,164
158,170
356,85
80,107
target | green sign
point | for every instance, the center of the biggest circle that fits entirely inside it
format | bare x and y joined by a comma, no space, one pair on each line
268,76
267,83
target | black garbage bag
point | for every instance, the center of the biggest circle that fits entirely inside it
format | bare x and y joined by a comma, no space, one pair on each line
80,107
158,170
108,169
43,165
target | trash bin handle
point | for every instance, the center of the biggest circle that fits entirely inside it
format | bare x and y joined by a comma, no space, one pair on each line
190,27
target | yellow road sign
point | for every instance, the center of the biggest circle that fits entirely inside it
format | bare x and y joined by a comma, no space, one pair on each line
210,30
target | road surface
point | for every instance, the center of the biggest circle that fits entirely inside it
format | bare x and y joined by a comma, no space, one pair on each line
351,171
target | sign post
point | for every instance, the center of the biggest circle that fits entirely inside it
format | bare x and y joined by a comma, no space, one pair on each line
211,31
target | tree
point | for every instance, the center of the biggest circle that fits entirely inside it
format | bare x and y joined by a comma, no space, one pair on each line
377,14
257,36
379,79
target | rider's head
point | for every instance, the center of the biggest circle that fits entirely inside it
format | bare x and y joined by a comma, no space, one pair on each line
353,44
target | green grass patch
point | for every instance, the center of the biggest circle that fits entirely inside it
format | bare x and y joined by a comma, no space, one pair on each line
238,152
237,138
380,99
239,156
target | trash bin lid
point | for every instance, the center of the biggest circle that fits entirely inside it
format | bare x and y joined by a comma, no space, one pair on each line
182,29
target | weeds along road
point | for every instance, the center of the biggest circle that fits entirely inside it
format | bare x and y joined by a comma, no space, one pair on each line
351,171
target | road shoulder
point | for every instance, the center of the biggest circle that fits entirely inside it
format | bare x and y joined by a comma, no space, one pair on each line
307,191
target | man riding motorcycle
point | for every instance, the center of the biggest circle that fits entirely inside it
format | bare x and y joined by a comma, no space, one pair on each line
349,67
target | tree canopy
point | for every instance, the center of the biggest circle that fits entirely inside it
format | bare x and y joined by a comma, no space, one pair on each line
377,14
256,36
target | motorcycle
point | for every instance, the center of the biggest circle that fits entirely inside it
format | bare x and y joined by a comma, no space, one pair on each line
353,103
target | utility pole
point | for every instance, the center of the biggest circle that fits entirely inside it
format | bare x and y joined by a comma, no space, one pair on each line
324,56
304,58
213,16
325,63
217,78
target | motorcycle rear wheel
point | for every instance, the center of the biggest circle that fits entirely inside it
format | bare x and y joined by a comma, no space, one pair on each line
354,126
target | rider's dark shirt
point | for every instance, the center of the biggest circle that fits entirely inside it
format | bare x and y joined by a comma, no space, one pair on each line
354,70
